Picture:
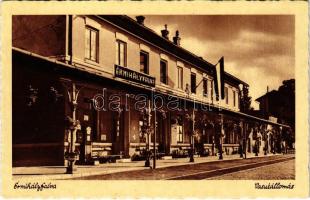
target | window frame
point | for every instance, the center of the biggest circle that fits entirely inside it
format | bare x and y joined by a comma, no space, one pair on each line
180,135
234,97
205,87
89,57
211,88
180,138
146,54
238,99
226,95
166,71
180,77
118,42
193,89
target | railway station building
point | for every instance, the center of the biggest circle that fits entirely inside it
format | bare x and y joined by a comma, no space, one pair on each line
91,84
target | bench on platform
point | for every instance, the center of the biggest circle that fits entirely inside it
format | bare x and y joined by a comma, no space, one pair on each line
158,155
108,158
142,155
180,153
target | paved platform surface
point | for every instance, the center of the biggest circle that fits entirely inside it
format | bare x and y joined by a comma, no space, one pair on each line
58,172
277,171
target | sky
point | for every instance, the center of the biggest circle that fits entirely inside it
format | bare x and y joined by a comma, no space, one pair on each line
258,49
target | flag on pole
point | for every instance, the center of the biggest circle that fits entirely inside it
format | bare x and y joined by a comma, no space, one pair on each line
219,79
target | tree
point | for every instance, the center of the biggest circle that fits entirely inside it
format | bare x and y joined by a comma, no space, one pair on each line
285,103
286,111
245,100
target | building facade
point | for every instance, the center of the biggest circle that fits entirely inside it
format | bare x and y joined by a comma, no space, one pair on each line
279,106
92,84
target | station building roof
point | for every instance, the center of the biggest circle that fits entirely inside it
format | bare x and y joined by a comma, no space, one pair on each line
143,32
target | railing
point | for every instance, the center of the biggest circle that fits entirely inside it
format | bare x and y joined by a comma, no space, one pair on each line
291,151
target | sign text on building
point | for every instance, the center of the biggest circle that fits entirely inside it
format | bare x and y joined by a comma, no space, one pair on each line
125,73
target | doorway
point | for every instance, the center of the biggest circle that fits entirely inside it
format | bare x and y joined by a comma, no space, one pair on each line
162,136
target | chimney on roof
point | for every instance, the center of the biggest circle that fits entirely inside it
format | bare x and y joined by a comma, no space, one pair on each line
165,32
140,19
177,39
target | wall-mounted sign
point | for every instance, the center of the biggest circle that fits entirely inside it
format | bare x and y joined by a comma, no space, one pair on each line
103,137
273,119
86,117
125,73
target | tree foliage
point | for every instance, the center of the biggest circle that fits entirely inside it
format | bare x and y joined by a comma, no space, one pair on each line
245,100
286,104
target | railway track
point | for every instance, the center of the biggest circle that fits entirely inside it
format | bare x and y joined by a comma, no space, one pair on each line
197,171
218,172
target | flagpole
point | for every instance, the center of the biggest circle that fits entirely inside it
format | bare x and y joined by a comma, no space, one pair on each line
202,78
220,95
154,139
219,60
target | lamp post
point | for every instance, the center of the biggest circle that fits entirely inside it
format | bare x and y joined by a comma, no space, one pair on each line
244,140
154,138
74,126
264,140
281,140
240,129
242,105
192,118
221,138
191,159
240,139
148,113
255,133
213,144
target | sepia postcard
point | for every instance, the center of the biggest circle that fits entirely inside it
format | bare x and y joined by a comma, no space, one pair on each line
154,99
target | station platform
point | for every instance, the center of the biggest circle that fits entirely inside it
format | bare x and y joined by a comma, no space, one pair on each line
59,172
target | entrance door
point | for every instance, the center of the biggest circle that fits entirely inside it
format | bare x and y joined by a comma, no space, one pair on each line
88,118
162,136
118,133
